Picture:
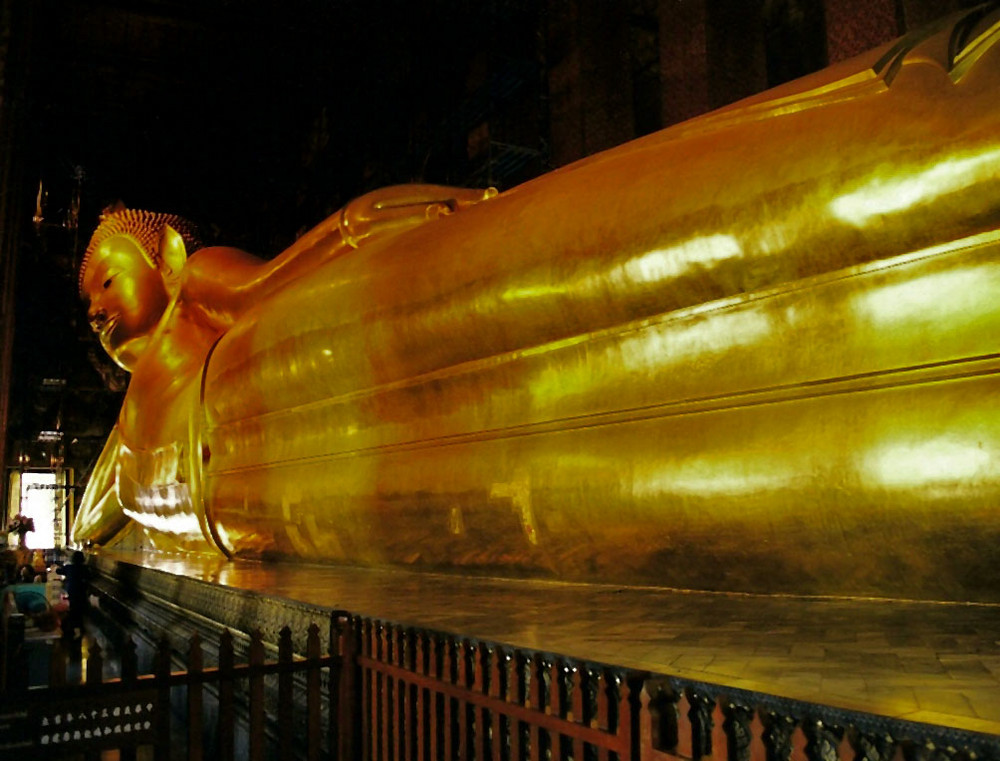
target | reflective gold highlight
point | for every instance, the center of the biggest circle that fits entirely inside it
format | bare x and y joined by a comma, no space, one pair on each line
754,352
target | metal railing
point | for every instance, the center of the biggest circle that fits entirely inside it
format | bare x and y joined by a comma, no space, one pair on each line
381,691
134,710
417,694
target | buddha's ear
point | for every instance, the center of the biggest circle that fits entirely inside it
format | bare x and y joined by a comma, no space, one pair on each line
173,257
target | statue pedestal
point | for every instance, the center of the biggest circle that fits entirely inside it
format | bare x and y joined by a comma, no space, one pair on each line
869,650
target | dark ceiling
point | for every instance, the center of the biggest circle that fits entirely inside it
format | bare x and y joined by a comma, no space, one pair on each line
246,113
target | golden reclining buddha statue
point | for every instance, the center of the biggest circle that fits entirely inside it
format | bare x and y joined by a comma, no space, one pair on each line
754,352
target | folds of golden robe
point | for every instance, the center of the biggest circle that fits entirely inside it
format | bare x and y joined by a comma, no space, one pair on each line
754,352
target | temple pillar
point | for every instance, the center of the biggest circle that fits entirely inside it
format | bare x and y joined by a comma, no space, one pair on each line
735,43
917,13
15,38
683,60
589,79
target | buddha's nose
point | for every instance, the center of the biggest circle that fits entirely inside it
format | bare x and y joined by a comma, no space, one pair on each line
97,317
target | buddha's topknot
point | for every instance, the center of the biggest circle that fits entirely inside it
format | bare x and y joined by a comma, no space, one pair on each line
145,227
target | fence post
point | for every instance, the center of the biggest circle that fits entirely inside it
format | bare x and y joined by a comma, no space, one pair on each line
313,730
557,703
384,680
336,647
367,708
484,719
95,664
57,665
397,691
434,698
536,670
409,693
603,716
515,695
345,707
285,699
227,718
14,657
6,607
162,680
495,657
195,699
739,736
448,677
129,662
130,674
257,737
575,684
630,712
463,654
702,723
424,696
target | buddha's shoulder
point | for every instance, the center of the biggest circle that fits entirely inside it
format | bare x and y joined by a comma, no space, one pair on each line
219,264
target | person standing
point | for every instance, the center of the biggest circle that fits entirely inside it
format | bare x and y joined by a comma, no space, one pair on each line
76,582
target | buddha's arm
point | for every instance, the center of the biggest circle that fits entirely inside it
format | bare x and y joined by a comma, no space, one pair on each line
100,514
223,282
390,210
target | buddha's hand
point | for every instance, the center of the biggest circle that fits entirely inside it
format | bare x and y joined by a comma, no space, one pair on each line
399,207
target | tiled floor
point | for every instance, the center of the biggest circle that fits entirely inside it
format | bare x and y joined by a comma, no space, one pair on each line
937,663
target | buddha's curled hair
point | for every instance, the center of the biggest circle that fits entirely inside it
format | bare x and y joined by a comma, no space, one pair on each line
145,228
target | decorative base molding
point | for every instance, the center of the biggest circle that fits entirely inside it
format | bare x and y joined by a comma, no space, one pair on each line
161,604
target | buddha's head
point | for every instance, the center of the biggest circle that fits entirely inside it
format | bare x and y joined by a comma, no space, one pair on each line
128,276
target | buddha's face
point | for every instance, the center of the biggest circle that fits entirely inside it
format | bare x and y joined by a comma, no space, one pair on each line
127,297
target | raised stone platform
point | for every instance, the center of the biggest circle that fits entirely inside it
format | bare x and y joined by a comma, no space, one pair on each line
921,662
